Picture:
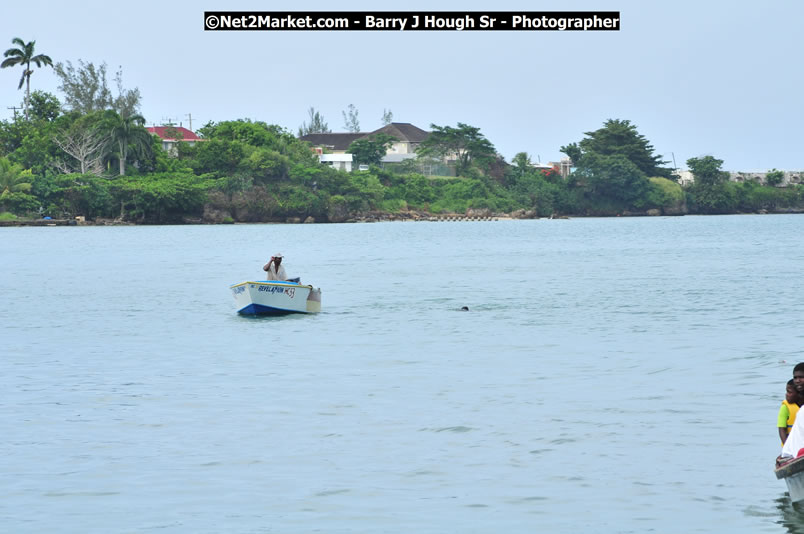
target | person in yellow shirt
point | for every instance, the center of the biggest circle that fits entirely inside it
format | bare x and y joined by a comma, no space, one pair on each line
788,411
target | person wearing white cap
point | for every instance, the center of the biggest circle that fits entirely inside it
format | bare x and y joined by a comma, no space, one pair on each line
274,268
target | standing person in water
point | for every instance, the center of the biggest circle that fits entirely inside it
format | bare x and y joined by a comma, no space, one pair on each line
274,268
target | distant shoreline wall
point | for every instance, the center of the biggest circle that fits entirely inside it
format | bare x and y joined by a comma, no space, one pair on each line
790,177
386,217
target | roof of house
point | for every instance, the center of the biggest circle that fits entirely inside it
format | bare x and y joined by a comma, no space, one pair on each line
403,131
335,141
186,135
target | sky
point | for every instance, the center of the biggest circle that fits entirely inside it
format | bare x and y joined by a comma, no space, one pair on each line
720,78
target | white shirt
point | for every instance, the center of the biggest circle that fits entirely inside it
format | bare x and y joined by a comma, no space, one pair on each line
795,440
274,275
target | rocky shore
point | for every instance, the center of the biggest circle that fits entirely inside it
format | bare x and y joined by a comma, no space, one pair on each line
215,217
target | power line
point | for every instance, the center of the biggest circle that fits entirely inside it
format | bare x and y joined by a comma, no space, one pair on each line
15,108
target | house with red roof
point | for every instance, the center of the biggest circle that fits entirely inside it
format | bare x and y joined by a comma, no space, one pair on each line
170,135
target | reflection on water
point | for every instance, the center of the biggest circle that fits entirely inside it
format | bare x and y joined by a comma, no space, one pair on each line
791,515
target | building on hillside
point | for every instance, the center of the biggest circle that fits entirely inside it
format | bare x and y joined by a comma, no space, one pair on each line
788,178
170,135
563,167
685,177
332,143
408,136
340,162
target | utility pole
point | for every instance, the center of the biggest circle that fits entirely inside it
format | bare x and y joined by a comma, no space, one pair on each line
190,118
15,108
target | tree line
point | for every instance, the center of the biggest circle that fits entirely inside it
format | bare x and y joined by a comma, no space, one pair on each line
91,156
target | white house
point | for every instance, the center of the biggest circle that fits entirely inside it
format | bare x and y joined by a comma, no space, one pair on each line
408,138
340,162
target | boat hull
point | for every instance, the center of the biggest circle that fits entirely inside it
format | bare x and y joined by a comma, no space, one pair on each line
793,474
275,298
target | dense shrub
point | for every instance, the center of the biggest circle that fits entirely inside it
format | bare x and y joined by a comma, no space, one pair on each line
666,194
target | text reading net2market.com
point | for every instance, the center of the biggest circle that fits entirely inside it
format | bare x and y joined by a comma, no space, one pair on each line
412,21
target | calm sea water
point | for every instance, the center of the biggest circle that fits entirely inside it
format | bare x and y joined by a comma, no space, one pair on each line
612,375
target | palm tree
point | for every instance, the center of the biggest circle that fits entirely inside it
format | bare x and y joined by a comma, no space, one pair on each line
24,55
128,131
12,180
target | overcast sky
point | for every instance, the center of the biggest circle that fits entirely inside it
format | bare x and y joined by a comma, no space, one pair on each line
721,78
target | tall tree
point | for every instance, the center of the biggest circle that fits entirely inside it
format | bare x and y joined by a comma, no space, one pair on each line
44,106
316,125
24,55
87,144
620,137
465,144
127,101
710,192
774,177
86,89
13,179
128,132
614,177
350,121
370,150
573,152
707,171
387,117
522,162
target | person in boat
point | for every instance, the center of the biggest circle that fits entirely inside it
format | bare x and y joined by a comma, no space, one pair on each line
788,411
794,444
798,378
274,268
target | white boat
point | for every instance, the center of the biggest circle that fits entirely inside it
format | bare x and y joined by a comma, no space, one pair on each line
275,298
792,472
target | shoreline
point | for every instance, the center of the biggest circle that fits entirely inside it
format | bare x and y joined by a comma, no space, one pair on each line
364,218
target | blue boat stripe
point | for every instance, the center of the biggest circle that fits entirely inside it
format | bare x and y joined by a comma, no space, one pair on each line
259,309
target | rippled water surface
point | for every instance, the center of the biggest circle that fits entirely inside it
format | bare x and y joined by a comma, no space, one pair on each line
611,375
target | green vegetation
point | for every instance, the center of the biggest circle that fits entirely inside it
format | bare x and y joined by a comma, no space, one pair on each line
667,194
127,133
96,160
371,150
15,183
86,90
350,121
465,144
317,124
102,165
24,56
619,138
774,177
613,166
711,192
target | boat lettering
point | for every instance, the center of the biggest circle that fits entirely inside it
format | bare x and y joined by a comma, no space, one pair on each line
272,289
290,291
